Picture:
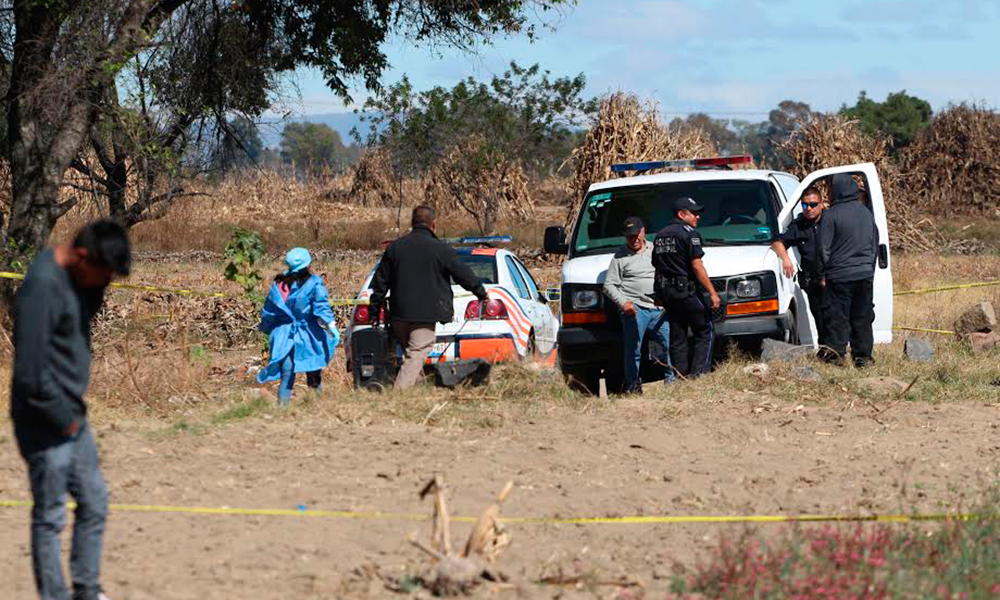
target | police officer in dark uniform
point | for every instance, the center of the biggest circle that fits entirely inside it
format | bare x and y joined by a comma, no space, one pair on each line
677,252
803,233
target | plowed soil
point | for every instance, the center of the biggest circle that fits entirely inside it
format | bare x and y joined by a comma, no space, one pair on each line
635,457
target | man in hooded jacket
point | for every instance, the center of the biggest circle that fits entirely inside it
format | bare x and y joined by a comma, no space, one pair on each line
848,251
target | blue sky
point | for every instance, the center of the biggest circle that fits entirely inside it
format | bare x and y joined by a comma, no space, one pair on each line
735,58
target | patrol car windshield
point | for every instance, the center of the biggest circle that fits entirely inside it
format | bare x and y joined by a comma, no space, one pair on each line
737,212
484,266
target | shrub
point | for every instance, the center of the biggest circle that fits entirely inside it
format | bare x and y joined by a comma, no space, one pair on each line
958,560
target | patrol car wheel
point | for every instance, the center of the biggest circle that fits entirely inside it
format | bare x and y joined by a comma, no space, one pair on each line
531,350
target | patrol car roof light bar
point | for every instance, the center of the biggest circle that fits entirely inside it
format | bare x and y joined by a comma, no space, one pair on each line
724,162
482,240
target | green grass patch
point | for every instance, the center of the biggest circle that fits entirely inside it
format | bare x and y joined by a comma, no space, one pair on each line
242,410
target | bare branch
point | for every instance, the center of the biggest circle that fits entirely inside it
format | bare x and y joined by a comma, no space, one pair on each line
84,189
83,169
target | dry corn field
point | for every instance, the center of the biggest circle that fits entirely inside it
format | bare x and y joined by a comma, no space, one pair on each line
179,423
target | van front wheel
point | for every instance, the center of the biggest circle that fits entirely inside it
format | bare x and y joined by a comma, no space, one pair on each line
792,333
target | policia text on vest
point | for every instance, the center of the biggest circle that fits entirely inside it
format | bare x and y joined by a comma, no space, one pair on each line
677,253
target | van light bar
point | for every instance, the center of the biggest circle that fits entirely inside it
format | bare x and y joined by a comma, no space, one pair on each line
690,163
483,239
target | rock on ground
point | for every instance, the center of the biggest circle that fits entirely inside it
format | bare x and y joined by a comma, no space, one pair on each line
807,373
773,350
918,349
982,342
980,317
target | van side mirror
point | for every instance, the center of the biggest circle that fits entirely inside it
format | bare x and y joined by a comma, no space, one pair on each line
555,241
883,256
551,295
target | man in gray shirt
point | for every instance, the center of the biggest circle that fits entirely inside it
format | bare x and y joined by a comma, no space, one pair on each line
61,293
629,284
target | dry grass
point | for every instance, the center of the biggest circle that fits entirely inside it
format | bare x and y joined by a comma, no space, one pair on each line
628,130
953,167
176,360
832,140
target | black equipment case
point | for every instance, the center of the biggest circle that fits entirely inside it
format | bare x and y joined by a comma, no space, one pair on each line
373,358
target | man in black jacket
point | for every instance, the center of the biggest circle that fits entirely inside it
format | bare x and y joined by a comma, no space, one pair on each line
418,268
61,293
848,250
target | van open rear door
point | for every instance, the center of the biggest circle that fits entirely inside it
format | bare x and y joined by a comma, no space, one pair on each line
874,200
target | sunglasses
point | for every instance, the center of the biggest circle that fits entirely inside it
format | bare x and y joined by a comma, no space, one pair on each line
810,204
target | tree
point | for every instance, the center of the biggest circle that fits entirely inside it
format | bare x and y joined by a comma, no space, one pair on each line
136,81
723,137
900,117
241,145
525,113
523,120
314,148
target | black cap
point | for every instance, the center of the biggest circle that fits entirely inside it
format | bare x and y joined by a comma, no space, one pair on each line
633,225
685,203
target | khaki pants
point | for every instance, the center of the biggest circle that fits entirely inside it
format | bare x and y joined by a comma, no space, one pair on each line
417,340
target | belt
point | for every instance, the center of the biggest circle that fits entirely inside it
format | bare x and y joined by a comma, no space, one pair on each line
676,280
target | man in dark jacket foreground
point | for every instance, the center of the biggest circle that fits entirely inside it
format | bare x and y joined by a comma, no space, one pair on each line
418,268
848,250
61,293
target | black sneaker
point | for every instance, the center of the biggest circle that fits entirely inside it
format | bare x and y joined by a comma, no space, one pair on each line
864,363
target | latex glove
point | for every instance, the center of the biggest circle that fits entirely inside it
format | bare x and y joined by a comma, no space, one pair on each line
332,328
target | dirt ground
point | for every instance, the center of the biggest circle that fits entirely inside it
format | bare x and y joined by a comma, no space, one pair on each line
626,457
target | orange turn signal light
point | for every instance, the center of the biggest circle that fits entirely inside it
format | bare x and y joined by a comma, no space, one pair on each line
582,318
752,308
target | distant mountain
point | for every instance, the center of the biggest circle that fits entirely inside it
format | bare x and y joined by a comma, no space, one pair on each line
270,129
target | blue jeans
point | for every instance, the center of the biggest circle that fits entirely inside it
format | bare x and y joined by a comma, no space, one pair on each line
73,467
646,322
313,379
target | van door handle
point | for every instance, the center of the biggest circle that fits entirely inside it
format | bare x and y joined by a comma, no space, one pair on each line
883,256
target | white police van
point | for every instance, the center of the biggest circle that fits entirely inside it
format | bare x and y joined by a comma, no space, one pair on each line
744,210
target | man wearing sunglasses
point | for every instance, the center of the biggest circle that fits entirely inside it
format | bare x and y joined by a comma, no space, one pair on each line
803,233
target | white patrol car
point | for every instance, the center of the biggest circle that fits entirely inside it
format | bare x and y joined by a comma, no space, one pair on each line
744,211
515,323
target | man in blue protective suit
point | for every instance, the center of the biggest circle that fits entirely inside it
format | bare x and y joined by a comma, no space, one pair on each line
299,321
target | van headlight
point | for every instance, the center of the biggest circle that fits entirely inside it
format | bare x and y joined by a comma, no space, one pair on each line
748,288
585,300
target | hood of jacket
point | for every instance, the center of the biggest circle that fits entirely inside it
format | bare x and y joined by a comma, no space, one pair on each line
844,188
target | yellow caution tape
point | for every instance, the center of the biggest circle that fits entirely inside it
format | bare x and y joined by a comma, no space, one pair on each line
963,286
661,519
921,329
184,292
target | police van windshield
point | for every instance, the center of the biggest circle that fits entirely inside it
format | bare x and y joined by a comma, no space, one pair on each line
740,212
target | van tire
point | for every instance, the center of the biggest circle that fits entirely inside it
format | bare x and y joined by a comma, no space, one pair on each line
792,335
